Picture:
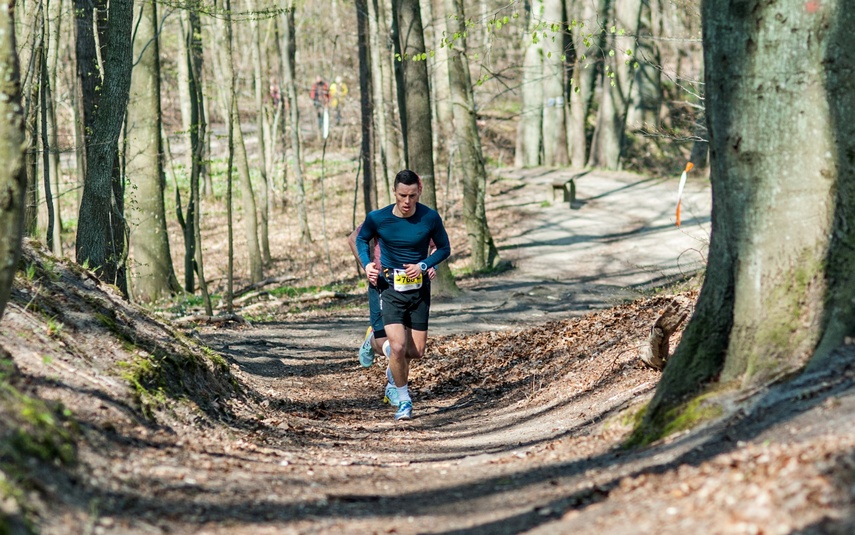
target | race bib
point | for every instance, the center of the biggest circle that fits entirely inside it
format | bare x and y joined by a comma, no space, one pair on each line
402,282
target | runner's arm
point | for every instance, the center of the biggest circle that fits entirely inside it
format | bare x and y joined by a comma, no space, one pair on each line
443,246
351,242
366,232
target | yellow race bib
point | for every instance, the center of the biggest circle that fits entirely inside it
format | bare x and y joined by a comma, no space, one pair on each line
403,283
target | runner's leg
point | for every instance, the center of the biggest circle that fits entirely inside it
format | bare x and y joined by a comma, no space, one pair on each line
398,362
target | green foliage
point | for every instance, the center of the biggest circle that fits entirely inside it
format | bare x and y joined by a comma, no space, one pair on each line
54,327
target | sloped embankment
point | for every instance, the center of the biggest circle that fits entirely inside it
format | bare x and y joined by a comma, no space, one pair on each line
80,368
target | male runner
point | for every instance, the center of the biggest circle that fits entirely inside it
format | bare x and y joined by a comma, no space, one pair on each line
405,230
375,337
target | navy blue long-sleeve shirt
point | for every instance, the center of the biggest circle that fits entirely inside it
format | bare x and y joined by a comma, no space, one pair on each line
404,240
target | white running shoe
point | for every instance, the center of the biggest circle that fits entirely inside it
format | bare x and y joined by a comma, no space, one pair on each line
405,410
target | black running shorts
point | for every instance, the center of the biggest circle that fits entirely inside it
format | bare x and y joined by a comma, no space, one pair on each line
411,308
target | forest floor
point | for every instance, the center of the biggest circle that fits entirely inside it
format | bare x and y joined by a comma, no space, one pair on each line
529,388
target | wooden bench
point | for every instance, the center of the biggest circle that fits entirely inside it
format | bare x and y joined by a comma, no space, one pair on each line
567,185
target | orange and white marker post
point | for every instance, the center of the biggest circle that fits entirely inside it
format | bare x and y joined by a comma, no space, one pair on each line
685,174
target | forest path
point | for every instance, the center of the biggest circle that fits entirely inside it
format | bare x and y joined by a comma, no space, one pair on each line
465,462
622,240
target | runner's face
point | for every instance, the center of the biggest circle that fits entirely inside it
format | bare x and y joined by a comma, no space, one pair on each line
406,198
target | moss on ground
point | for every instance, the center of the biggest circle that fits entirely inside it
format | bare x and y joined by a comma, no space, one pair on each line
32,432
687,415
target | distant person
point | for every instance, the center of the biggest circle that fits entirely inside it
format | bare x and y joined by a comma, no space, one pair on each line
338,92
275,94
405,230
320,94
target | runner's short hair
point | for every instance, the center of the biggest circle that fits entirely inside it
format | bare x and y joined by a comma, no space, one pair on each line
407,178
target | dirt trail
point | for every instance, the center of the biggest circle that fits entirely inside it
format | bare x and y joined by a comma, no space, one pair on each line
539,455
622,239
521,406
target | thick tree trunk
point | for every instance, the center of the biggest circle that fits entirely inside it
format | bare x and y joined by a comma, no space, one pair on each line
484,254
530,142
418,118
779,285
366,106
101,221
288,66
13,177
152,274
555,107
616,83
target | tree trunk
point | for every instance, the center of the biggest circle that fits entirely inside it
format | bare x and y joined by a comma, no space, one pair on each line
101,224
46,97
389,67
398,69
440,84
13,177
616,83
379,59
529,143
54,9
153,276
366,106
646,100
239,157
779,287
288,66
484,253
554,104
418,115
198,128
31,85
262,127
587,40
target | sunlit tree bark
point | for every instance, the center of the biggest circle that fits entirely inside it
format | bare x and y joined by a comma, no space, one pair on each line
13,178
379,73
54,170
529,135
484,253
263,133
288,65
555,105
587,40
366,93
418,113
616,84
152,276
